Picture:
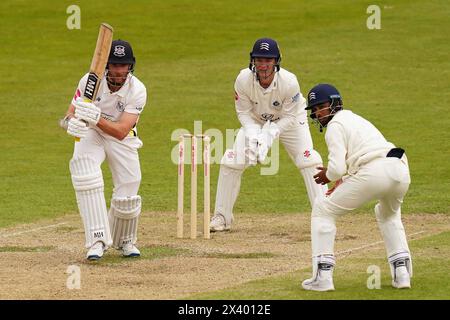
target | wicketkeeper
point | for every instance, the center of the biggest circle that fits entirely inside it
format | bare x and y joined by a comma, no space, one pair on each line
269,105
111,135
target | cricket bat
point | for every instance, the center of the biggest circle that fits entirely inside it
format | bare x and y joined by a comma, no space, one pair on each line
98,63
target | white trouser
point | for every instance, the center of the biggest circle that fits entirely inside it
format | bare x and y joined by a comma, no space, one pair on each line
298,144
122,158
383,179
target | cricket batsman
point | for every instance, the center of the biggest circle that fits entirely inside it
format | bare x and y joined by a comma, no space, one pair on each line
365,167
269,105
107,131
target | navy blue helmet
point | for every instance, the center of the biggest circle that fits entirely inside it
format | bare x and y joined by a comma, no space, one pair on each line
322,93
122,53
265,48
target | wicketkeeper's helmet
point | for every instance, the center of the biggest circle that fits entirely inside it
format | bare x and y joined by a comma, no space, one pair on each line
265,48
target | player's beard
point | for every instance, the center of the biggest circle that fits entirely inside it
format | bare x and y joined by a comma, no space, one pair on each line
116,80
322,122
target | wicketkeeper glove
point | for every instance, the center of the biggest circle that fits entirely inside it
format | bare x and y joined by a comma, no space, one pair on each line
269,132
251,143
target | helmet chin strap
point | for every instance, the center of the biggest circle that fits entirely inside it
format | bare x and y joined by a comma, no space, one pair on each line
267,76
317,123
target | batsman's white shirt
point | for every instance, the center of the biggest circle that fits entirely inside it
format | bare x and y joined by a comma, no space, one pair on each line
352,142
121,155
131,98
282,102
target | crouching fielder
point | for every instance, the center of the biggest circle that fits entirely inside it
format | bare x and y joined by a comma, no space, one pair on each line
269,105
111,135
365,167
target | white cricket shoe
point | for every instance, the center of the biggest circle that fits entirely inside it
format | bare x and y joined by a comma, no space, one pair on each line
323,281
218,223
130,250
402,278
96,251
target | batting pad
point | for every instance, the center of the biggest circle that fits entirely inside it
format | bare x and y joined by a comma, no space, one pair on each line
87,180
123,218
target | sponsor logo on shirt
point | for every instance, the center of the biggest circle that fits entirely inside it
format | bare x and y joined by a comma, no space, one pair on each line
268,116
275,103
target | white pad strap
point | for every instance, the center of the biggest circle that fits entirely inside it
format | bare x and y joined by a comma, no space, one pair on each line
123,217
87,181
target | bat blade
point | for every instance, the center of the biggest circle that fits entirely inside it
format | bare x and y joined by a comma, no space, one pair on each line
99,60
98,63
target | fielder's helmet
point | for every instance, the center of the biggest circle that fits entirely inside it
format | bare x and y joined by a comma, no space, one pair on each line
322,93
265,48
121,52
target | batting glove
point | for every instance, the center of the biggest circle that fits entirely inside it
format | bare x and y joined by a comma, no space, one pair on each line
87,111
77,128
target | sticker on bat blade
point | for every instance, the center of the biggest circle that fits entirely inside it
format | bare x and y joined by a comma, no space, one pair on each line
90,86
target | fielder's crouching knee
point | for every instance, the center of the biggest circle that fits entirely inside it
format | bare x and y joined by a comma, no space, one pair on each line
322,209
307,162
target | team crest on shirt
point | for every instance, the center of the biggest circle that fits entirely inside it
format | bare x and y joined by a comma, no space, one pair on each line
120,106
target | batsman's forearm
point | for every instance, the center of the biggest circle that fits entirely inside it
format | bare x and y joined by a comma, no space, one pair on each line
115,129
